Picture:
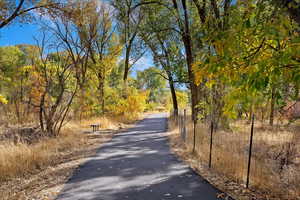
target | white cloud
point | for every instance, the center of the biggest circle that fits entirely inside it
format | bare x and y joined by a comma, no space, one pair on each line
143,63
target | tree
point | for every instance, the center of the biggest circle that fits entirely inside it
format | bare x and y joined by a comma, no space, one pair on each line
56,87
12,77
11,10
252,53
129,19
291,6
161,41
150,79
94,26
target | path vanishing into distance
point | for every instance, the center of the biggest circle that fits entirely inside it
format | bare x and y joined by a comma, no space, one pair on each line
137,165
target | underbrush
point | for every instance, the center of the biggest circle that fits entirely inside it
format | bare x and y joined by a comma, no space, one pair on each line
275,169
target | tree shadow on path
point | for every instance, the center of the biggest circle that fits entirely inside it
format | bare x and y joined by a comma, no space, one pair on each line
137,165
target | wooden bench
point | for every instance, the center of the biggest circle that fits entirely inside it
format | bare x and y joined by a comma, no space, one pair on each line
95,127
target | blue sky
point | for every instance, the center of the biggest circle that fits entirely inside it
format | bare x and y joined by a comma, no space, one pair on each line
24,34
18,34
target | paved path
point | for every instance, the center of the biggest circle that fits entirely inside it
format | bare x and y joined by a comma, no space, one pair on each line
137,165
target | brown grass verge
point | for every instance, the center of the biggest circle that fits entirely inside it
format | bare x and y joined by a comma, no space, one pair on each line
229,161
37,171
17,160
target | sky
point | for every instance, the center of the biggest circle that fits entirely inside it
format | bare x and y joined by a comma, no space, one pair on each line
25,33
18,34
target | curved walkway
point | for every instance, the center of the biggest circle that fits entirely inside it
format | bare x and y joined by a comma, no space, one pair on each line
137,165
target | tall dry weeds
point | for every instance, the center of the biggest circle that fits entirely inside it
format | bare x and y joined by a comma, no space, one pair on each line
17,160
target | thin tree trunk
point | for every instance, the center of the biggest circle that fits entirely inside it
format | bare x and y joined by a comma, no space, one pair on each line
272,108
81,104
174,97
41,111
17,111
127,58
126,69
101,91
190,59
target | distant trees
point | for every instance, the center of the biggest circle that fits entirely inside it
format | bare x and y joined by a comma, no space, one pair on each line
12,75
236,58
150,79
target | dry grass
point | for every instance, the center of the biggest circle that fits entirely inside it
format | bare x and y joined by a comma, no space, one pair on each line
20,159
275,166
17,160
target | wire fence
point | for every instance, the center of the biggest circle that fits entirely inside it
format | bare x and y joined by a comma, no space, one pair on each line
247,153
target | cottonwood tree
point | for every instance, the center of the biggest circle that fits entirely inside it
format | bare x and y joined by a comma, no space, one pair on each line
180,13
56,85
86,30
129,18
250,45
165,49
64,25
95,28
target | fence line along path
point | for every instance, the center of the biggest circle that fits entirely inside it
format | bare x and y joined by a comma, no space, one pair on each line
137,165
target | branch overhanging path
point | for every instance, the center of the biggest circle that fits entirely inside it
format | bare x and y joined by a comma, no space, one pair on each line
137,165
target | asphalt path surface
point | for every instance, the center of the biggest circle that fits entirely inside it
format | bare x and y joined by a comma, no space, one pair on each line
137,165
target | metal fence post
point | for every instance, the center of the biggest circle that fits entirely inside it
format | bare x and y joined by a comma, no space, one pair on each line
180,123
250,151
181,126
184,125
211,142
194,131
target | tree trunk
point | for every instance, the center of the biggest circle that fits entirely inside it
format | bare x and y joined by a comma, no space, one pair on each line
272,108
81,102
126,69
187,40
49,127
17,108
103,94
250,114
127,57
41,111
101,91
190,59
262,115
174,97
